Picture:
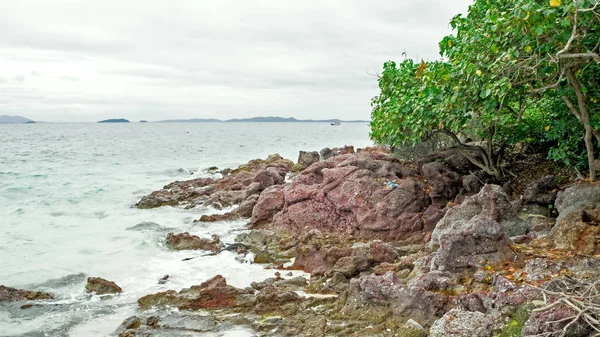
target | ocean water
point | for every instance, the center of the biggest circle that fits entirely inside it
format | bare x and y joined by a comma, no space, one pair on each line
66,197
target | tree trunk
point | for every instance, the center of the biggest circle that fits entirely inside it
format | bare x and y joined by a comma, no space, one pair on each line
582,115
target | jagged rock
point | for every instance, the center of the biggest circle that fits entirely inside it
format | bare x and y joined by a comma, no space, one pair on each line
233,189
412,329
218,217
326,153
490,203
132,323
305,159
8,294
214,293
552,320
479,242
245,208
186,241
380,297
273,299
458,323
270,202
578,231
101,286
541,192
445,183
576,197
148,226
348,195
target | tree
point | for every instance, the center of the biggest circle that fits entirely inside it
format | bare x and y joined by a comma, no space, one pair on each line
536,46
504,56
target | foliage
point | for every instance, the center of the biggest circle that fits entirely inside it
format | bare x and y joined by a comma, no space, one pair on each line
504,62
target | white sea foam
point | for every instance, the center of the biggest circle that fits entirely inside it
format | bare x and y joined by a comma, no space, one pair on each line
66,197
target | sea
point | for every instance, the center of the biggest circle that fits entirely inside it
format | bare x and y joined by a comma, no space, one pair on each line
67,196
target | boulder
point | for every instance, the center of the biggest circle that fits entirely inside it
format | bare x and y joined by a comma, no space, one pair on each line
479,242
357,195
214,293
8,294
377,298
578,231
320,254
186,241
326,153
542,192
269,203
445,183
218,217
233,189
305,159
576,197
101,286
490,203
458,323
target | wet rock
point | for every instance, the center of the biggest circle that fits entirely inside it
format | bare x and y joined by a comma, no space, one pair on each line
101,286
578,231
233,189
490,203
576,197
163,279
8,294
460,323
61,282
186,241
305,159
214,293
153,321
218,217
132,322
148,226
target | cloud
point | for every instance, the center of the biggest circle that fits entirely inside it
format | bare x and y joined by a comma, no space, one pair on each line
156,59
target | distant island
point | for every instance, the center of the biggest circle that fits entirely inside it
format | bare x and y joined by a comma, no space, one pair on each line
260,120
6,119
115,120
143,121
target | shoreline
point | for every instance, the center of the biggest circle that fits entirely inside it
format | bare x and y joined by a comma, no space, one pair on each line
392,247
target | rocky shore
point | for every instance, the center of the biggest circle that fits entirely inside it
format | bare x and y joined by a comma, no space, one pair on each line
391,248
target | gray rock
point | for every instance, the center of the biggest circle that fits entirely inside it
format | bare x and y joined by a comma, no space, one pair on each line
479,242
101,286
460,323
8,294
492,203
582,196
305,159
148,226
326,153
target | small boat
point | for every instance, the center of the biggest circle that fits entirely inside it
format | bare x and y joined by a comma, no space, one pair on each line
335,123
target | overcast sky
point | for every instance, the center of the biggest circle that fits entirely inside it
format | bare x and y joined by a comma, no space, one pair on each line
74,60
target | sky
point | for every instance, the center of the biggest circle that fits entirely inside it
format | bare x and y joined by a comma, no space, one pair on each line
86,60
